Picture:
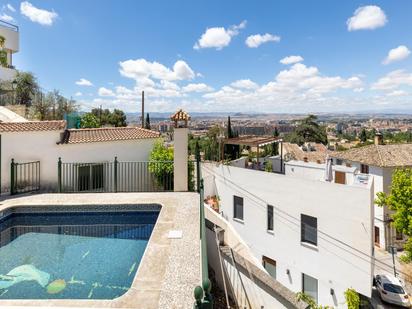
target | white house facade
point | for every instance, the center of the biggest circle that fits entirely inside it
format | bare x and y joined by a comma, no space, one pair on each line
310,235
379,161
47,141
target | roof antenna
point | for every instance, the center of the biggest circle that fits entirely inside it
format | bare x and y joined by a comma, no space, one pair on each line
142,109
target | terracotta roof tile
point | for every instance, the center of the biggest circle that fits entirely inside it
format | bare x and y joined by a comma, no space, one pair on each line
76,136
55,125
379,155
295,152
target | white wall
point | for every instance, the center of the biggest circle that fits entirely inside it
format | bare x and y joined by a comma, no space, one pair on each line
42,146
316,171
7,73
342,258
12,38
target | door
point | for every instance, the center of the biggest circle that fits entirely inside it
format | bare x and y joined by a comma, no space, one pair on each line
377,239
340,177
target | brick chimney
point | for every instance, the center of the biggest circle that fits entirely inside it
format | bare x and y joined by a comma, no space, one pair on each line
378,139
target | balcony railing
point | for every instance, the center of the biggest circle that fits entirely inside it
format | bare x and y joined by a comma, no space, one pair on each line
8,25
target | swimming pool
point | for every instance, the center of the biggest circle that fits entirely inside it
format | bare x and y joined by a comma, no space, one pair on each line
81,254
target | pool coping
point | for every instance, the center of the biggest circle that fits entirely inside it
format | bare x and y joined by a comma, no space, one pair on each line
169,269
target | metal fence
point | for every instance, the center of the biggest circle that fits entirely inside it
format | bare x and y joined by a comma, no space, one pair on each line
24,177
116,176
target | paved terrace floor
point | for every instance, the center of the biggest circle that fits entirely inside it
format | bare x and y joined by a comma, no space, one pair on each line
170,268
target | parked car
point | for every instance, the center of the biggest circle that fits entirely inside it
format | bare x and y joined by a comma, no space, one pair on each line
391,290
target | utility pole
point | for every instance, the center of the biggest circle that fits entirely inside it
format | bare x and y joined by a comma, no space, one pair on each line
393,251
143,109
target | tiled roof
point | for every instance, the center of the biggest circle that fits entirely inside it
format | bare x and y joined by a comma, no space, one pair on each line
295,152
379,155
180,115
76,136
55,125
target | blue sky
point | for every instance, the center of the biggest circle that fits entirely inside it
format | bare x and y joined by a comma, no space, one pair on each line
220,55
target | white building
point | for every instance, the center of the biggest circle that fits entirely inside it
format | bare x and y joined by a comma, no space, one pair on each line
310,235
46,141
10,34
379,161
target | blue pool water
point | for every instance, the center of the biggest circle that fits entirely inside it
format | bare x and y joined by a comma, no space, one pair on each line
72,255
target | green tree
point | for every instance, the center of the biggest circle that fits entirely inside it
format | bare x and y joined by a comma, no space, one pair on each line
352,299
147,122
117,118
363,137
89,120
308,130
161,164
26,88
231,151
400,201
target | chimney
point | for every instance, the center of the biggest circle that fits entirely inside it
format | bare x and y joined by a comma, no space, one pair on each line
143,109
378,139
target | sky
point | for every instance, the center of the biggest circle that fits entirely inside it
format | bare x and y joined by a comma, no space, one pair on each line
220,56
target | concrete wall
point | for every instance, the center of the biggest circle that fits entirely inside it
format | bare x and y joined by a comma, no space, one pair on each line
342,258
42,146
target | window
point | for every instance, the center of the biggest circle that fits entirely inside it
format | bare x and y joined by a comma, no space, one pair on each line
309,229
270,266
238,207
364,169
339,161
399,235
90,177
270,218
310,286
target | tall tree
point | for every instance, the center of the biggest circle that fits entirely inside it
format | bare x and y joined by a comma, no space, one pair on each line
400,201
308,130
363,137
26,88
89,120
147,122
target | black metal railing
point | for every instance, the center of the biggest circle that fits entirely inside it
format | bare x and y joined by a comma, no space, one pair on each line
24,177
116,176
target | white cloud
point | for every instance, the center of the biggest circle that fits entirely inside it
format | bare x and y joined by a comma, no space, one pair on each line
367,17
393,80
200,87
218,37
10,7
84,82
78,94
397,93
254,41
6,17
244,84
183,71
104,92
297,88
43,17
291,59
397,54
141,69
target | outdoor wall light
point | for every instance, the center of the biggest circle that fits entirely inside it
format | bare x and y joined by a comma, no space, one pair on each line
287,272
332,292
